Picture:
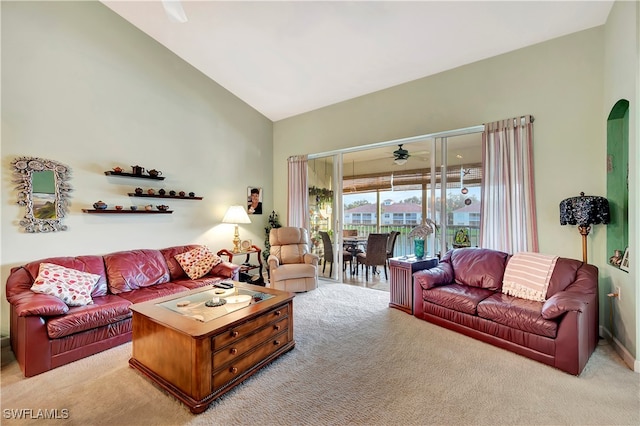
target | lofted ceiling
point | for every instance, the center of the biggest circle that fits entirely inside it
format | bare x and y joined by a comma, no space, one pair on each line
285,58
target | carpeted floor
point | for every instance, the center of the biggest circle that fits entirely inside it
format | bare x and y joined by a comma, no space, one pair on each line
356,361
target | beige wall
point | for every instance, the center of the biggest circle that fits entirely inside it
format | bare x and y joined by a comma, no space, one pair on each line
622,81
83,87
559,82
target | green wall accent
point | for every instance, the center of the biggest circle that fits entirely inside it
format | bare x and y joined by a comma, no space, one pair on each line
618,177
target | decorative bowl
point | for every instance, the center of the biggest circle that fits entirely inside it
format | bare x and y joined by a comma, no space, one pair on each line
239,301
99,205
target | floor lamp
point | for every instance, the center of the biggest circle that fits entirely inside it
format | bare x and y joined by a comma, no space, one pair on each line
584,211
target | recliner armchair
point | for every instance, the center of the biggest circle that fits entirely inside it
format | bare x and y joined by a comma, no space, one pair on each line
292,267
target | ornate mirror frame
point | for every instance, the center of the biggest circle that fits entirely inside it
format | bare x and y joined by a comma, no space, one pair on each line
44,212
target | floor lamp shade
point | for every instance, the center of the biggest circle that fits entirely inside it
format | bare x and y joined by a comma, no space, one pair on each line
584,211
236,215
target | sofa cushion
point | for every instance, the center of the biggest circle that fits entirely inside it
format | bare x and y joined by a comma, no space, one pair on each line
105,310
153,292
197,262
191,284
293,271
91,264
514,312
565,273
175,270
527,275
71,286
458,297
478,267
134,269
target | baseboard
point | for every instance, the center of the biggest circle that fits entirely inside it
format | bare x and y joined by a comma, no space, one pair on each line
627,358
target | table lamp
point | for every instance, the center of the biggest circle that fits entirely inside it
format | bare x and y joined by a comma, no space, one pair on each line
584,211
236,215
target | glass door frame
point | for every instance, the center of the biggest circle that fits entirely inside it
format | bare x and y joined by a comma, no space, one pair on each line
438,138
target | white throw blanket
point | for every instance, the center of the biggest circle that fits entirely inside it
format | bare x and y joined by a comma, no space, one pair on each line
527,275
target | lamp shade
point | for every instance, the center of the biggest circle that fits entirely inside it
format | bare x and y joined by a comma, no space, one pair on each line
236,214
584,210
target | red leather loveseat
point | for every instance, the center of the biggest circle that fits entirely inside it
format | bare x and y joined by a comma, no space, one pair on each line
464,293
47,333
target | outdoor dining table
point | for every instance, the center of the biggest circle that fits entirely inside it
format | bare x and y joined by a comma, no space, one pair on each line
355,245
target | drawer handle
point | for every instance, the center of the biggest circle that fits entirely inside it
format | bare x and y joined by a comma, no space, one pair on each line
277,313
233,351
276,327
233,370
234,334
276,342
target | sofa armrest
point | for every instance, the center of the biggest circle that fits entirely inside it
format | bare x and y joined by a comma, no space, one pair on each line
564,301
439,275
311,259
38,304
577,295
226,269
272,262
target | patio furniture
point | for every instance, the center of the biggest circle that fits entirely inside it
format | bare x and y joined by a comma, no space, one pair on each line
375,254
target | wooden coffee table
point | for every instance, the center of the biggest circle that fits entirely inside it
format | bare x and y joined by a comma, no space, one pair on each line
198,353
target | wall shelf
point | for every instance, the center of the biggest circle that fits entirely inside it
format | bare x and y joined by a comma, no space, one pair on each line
123,211
181,197
112,173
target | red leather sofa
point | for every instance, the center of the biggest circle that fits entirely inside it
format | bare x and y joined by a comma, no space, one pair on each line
464,293
45,333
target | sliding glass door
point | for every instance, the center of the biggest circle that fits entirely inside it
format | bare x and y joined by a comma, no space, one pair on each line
367,190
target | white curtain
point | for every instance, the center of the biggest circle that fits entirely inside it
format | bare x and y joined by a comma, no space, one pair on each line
298,199
508,218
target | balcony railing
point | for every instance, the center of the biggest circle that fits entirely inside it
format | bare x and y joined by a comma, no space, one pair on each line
404,244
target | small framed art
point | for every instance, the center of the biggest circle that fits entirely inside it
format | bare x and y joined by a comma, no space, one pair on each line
624,265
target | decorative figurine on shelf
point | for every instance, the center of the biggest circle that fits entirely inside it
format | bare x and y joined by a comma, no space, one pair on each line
192,194
99,205
151,191
162,208
162,191
137,170
154,173
148,207
138,191
461,239
117,170
181,193
172,193
616,259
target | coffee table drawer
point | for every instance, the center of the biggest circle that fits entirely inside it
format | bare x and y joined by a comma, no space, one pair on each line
239,332
239,347
247,362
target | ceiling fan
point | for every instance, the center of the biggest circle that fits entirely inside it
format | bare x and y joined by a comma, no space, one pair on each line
400,155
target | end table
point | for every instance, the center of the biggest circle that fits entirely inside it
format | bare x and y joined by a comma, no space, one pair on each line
247,266
401,282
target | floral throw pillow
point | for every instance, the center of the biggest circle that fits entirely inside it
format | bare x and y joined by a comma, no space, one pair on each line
198,262
71,286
